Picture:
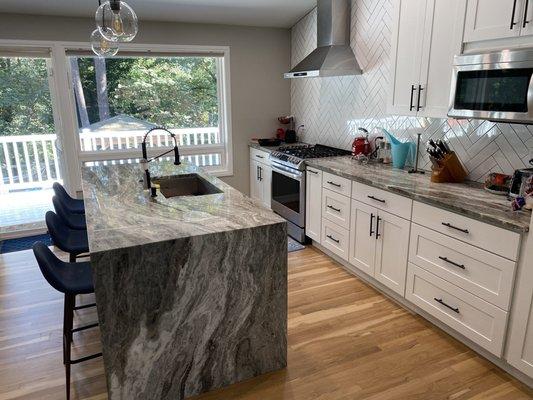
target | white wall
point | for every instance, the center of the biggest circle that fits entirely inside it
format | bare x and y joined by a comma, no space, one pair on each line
333,108
259,57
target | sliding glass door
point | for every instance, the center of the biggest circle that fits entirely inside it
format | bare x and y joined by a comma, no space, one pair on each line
30,160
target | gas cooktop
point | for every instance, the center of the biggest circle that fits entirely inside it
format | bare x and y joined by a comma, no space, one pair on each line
295,156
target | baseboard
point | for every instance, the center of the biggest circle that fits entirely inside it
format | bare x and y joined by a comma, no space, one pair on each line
413,309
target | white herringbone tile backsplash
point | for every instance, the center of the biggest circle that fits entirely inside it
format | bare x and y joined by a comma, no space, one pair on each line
332,108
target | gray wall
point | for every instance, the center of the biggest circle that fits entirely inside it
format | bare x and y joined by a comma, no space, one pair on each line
259,56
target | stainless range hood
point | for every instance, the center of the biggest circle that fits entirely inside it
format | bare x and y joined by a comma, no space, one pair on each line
333,56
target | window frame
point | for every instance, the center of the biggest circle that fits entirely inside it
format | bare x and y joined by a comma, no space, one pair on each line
67,124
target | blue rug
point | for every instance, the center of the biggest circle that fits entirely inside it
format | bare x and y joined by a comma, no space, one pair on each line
294,245
25,243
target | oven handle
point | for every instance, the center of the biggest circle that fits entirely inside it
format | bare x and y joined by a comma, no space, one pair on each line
297,176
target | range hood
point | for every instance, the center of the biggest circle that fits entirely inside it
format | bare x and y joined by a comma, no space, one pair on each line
333,56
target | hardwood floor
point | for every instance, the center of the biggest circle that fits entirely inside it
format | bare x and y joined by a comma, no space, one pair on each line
346,341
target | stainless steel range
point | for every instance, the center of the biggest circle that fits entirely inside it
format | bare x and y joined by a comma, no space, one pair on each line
288,182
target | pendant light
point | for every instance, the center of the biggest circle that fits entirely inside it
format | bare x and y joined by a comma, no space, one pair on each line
101,46
116,21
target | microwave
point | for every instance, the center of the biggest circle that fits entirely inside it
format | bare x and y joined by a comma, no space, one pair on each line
497,86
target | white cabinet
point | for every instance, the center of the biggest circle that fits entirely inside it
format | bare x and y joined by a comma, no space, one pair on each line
520,338
313,204
260,177
426,37
379,245
497,19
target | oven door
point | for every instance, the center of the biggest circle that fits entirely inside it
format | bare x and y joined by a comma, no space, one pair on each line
288,194
497,92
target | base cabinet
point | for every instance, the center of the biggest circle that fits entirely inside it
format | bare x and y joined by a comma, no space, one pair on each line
313,204
379,245
260,179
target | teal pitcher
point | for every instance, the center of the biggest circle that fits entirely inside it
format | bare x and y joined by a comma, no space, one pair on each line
400,151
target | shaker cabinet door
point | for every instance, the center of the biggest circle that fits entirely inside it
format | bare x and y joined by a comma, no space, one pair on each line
407,37
256,191
493,19
313,204
363,237
266,183
392,250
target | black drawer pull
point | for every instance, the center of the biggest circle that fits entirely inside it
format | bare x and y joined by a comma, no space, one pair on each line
334,209
332,238
452,263
371,224
454,227
440,301
375,198
313,172
334,184
258,156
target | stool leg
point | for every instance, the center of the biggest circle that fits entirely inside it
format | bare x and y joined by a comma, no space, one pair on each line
67,337
72,258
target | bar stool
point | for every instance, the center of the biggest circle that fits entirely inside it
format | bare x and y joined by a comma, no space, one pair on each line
71,279
75,206
72,241
74,221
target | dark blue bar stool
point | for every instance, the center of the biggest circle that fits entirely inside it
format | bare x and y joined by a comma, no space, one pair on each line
73,205
74,221
72,241
71,279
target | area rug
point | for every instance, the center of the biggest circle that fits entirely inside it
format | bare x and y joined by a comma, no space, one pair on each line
294,245
25,243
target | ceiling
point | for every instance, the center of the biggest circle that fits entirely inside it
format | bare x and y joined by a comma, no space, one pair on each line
272,13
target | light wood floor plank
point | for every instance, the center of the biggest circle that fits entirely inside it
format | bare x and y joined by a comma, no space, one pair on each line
346,342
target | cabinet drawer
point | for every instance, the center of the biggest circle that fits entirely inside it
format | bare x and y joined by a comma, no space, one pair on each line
259,156
337,184
469,315
496,240
336,208
335,238
383,200
479,272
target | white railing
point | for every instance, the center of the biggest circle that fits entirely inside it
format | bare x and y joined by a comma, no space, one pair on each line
31,161
28,161
123,140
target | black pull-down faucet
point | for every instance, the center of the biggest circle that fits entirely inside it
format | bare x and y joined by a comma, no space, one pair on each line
145,159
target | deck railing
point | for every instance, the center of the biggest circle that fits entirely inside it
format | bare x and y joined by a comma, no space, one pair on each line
31,161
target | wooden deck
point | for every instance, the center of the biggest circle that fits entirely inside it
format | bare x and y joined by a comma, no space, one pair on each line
346,341
23,211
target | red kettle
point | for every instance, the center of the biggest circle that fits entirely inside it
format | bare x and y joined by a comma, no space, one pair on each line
361,145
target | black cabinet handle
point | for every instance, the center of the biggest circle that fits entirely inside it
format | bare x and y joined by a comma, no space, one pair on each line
452,263
440,301
411,106
258,156
371,224
513,15
375,198
257,173
334,209
454,227
313,172
332,238
525,14
377,227
420,89
334,184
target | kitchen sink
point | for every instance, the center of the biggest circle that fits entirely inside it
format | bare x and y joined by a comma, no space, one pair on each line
184,185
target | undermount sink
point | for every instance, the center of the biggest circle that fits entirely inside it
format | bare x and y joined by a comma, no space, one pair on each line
184,185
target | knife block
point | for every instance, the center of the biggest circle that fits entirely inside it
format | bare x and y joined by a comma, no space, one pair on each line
450,170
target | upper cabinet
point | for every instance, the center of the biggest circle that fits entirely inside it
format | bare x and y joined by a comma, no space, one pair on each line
498,19
426,37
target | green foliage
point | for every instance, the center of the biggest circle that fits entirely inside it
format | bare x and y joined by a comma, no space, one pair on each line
173,92
25,104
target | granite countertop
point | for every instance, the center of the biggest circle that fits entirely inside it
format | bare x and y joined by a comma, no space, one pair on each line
270,149
121,214
469,198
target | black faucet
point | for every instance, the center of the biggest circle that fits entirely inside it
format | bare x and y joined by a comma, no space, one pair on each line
145,154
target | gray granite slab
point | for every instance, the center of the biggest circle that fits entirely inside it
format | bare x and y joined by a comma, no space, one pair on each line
469,198
121,214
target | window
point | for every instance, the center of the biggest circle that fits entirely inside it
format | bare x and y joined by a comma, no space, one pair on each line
117,100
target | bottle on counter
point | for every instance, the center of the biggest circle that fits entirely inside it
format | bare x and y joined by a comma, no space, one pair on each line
387,153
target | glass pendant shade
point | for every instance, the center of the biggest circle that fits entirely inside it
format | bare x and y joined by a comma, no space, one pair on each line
101,46
116,21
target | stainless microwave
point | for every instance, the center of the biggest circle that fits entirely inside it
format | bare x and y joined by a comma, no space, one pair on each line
497,86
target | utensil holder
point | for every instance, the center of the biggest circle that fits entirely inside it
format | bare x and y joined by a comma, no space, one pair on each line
449,170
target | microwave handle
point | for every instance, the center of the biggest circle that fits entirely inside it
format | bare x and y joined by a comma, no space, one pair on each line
513,14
